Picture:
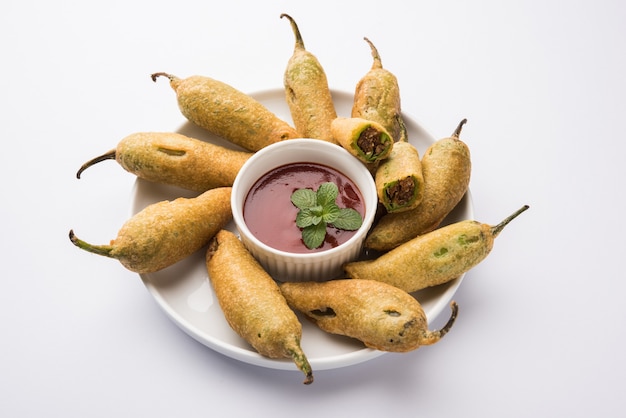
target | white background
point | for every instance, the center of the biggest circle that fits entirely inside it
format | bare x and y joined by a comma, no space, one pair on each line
541,329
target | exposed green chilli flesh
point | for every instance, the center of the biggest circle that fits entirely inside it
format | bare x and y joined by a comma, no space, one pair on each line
446,169
467,240
377,98
172,152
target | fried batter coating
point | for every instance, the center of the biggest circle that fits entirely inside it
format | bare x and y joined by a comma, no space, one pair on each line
367,140
175,159
399,179
377,98
446,167
227,112
382,316
306,91
165,232
433,258
252,303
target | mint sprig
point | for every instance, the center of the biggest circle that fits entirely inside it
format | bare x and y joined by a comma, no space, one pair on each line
319,210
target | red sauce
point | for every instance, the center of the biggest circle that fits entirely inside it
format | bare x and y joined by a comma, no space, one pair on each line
271,217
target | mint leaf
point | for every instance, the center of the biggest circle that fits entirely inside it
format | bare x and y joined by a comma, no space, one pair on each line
309,216
313,235
327,193
348,219
304,198
304,218
330,212
318,210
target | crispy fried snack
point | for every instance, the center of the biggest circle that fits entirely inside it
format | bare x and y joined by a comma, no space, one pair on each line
175,159
252,303
383,317
166,232
227,112
446,167
365,139
433,258
307,92
399,179
377,98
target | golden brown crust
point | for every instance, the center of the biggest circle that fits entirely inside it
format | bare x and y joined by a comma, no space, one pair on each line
307,93
228,113
403,163
377,98
347,132
446,168
251,301
178,160
166,232
383,317
430,259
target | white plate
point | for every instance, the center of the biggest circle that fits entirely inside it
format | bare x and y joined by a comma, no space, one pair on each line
183,290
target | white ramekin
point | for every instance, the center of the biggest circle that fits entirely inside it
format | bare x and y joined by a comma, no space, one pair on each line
318,266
